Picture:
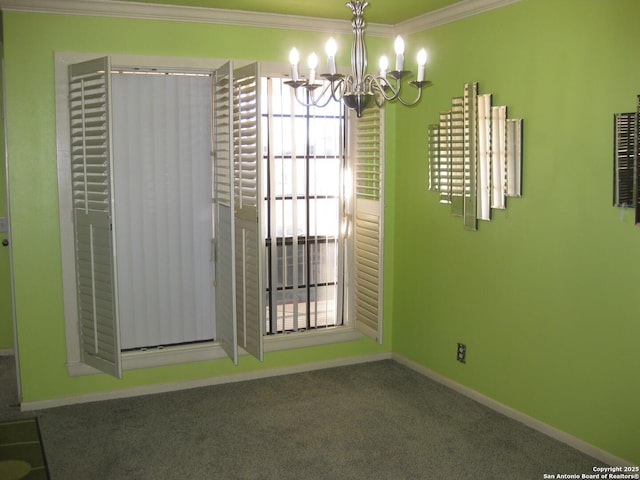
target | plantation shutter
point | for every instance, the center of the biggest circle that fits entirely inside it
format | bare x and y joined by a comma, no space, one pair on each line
89,105
367,150
223,206
247,200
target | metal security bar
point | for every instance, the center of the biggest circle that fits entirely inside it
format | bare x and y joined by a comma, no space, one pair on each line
303,157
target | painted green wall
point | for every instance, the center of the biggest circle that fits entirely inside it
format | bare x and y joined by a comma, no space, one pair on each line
6,321
545,295
30,42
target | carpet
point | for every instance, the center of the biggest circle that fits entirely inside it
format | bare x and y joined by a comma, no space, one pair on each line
21,453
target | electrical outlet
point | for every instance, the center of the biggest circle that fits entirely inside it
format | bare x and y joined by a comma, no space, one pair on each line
462,353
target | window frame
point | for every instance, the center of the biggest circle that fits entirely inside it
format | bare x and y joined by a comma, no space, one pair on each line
277,242
160,356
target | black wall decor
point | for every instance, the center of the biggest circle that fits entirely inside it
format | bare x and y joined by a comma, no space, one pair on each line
625,160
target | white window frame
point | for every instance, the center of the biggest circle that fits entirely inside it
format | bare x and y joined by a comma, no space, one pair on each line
153,357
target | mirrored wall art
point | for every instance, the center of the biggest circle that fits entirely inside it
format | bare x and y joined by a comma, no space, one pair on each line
626,158
475,157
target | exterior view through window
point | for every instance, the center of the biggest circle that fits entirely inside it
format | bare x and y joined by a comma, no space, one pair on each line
303,163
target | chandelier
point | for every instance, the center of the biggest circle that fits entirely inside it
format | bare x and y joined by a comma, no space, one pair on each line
358,90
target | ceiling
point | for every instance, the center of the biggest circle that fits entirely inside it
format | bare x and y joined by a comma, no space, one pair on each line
388,12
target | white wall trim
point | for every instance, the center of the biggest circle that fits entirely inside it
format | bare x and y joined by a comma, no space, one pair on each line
6,352
531,422
172,355
452,13
203,382
116,8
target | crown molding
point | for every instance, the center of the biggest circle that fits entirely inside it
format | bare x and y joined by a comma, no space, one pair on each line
456,11
117,8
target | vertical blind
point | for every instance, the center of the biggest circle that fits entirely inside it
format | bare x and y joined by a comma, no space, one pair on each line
162,172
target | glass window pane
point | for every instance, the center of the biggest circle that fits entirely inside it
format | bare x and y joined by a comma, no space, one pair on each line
304,162
324,176
324,216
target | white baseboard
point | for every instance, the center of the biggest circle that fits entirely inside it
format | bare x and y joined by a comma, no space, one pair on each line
531,422
6,352
203,382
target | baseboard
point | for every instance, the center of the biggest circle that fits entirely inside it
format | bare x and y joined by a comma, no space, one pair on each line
6,352
531,422
203,382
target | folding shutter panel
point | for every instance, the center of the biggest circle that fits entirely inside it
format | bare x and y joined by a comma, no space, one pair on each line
89,89
223,210
367,152
248,255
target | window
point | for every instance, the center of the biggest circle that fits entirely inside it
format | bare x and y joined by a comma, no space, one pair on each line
300,197
303,160
161,138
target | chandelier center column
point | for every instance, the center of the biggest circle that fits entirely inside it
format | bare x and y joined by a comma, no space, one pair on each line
358,49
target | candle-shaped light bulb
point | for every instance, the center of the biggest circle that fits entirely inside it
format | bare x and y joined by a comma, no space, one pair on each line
422,59
294,58
383,64
313,64
331,49
399,48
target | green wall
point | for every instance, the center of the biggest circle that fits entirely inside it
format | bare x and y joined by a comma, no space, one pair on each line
30,43
6,320
545,295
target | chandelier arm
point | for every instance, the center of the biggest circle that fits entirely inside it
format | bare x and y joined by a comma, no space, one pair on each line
337,89
304,103
315,99
410,104
382,85
328,98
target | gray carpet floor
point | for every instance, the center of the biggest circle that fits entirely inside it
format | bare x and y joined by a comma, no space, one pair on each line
378,420
9,409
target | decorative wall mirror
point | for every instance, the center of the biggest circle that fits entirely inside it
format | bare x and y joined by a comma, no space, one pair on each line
625,162
475,157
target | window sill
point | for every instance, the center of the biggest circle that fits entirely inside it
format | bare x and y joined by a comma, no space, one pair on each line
290,341
158,357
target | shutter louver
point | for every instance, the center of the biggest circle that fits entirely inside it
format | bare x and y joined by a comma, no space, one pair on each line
89,90
368,172
223,201
247,199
